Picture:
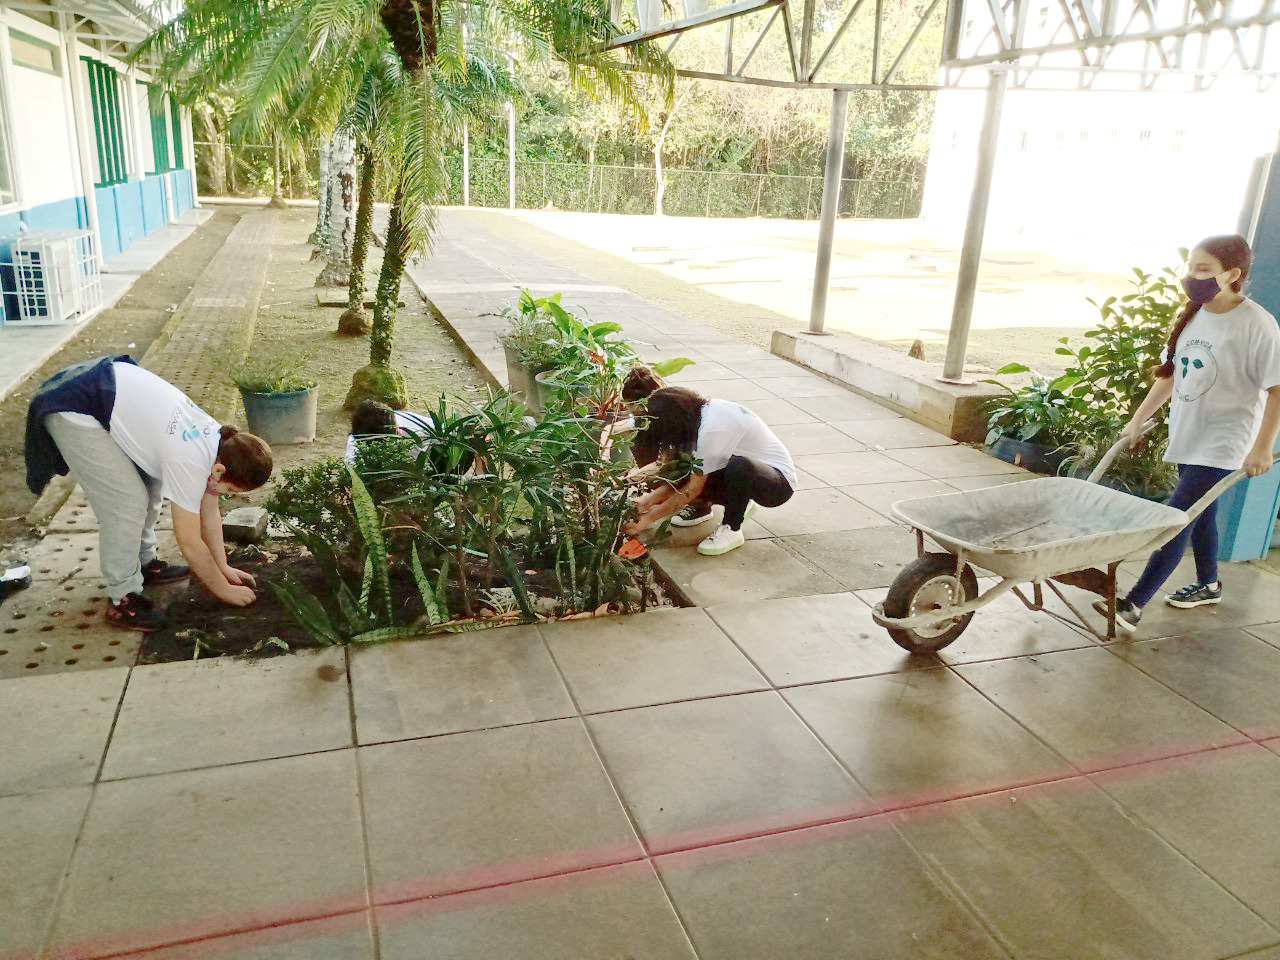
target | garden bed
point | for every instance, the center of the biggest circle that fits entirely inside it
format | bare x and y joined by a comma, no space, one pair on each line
202,626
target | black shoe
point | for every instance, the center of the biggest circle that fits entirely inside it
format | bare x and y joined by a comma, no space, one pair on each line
136,612
1127,615
1195,595
692,515
157,572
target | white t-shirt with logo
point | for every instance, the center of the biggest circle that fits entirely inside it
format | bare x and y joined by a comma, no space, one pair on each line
729,429
164,433
413,424
1223,364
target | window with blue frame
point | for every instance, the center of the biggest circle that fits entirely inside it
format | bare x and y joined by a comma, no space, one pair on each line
176,112
104,91
159,131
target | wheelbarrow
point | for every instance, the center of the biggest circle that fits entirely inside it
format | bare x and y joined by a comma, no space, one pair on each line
1050,531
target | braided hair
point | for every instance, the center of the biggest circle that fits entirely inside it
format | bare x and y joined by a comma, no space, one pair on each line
1230,250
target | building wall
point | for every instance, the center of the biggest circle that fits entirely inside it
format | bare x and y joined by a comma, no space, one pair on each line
1155,168
44,154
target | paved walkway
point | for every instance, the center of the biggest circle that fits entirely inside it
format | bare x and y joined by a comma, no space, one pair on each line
766,775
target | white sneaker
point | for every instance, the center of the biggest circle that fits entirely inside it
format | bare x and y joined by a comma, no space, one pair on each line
722,541
750,512
692,515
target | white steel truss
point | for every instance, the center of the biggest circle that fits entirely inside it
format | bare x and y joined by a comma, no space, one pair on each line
1116,44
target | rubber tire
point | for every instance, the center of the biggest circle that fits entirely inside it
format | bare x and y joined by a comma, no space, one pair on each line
931,569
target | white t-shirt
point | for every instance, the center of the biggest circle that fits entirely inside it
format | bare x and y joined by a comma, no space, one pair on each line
413,424
729,429
1223,363
164,433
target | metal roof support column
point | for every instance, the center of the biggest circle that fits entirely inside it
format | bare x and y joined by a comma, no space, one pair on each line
511,156
975,225
832,177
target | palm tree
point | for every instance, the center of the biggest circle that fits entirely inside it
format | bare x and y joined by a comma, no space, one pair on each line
317,52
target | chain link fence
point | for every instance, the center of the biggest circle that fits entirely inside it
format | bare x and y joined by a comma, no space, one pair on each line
591,188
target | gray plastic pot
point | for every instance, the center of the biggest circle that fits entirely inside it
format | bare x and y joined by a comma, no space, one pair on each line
282,418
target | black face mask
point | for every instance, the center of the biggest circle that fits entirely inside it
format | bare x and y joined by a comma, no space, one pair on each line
1200,290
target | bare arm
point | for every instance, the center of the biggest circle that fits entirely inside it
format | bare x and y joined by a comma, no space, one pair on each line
1156,398
1259,459
211,534
187,531
671,502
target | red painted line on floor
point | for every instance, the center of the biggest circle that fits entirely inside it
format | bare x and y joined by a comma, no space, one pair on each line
512,880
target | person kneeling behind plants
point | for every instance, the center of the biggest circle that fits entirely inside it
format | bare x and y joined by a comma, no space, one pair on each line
741,463
133,440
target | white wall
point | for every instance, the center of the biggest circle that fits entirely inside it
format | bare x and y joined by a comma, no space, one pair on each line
41,146
1155,168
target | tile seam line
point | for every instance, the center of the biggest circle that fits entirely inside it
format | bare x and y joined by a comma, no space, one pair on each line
1113,651
647,854
367,858
64,881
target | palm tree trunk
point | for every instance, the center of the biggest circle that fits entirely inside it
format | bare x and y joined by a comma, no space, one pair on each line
379,380
276,199
388,296
342,212
320,236
354,322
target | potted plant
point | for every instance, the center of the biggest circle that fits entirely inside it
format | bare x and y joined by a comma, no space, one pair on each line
279,398
1031,425
528,342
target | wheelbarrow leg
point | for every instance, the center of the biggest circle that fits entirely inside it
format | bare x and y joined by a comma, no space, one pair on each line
1111,600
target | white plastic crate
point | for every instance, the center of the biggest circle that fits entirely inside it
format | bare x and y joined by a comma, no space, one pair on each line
51,278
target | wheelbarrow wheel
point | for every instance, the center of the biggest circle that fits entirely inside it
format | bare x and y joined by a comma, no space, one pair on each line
930,583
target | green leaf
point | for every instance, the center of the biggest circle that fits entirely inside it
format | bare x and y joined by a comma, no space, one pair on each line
371,532
1013,368
435,612
667,368
307,609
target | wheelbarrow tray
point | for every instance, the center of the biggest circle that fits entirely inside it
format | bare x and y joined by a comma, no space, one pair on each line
1039,528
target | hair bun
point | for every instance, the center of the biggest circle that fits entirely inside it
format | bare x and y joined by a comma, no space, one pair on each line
226,433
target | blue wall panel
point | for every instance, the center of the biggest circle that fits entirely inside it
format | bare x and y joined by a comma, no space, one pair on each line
183,191
105,197
153,212
129,220
59,215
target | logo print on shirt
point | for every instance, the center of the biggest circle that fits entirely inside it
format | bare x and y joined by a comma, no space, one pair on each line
190,433
1195,371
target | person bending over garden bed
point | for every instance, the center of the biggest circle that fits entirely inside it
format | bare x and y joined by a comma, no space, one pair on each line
133,440
740,463
375,419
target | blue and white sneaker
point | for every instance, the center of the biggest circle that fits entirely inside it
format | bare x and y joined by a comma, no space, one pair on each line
1196,595
1127,615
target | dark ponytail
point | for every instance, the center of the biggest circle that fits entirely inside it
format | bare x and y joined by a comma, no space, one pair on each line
246,457
1230,250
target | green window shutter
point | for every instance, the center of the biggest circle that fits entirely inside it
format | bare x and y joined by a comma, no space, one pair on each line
176,113
104,90
159,130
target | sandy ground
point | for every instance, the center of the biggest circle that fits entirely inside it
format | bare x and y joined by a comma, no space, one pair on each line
891,280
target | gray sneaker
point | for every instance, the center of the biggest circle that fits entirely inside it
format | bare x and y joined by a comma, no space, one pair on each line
1195,595
1127,615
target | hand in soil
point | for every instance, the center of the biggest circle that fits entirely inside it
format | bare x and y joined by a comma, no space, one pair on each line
237,596
239,577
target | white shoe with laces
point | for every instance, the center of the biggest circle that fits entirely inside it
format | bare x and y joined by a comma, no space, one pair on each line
722,541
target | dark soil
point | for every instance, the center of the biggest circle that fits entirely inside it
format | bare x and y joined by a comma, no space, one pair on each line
202,626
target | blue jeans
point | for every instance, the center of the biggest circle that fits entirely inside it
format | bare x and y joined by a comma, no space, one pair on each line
1193,483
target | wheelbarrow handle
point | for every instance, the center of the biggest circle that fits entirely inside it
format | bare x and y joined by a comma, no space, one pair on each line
1217,490
1105,463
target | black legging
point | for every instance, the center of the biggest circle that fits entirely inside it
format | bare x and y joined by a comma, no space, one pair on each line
742,480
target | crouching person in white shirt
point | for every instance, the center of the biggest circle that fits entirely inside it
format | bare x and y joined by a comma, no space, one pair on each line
742,464
132,440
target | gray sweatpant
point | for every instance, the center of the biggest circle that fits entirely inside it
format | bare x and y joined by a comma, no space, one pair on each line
125,501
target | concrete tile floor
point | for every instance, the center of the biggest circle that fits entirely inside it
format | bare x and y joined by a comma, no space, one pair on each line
767,776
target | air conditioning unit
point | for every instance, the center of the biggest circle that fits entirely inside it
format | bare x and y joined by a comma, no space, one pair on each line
55,277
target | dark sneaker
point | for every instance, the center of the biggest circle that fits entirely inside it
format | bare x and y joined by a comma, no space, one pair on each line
135,612
1127,615
157,572
692,515
1195,595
